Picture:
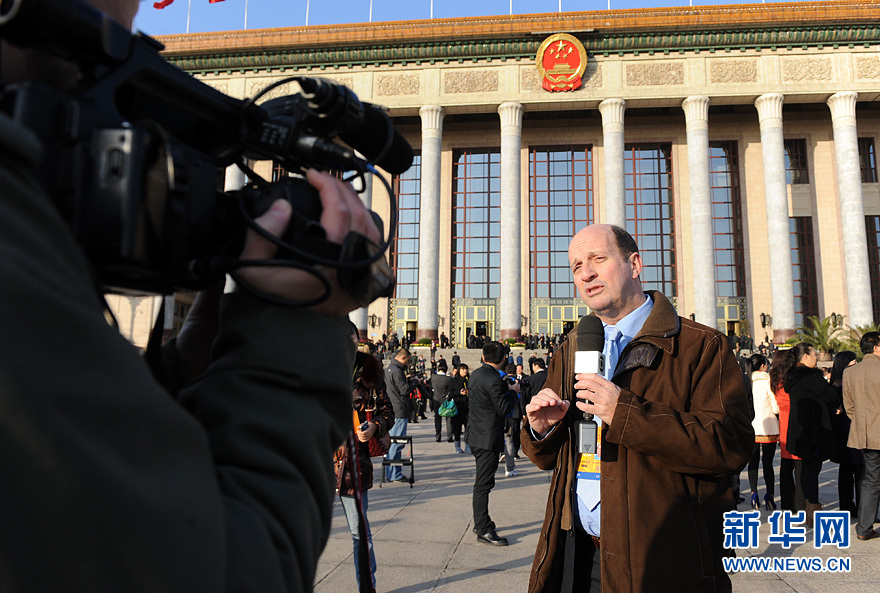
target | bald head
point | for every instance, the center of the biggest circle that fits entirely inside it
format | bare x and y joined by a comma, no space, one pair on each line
606,265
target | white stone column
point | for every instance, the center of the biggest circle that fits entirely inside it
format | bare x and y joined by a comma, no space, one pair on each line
510,305
429,221
360,316
769,108
612,132
235,179
852,208
696,113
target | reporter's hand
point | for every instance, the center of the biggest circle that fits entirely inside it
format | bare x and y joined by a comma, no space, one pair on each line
545,410
342,211
601,392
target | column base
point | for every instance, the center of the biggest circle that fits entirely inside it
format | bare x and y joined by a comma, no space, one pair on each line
511,333
431,334
781,335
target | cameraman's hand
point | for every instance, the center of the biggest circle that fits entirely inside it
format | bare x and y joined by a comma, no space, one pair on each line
342,212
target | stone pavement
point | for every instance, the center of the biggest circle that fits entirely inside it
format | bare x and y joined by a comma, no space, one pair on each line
423,539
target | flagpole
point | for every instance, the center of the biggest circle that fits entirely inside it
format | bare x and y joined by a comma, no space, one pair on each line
307,13
371,11
245,13
188,10
432,8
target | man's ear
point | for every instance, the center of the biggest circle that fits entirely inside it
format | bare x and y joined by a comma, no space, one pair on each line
635,262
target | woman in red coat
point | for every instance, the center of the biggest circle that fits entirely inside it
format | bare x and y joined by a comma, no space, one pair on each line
791,493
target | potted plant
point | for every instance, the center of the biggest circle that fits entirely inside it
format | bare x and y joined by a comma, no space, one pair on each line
825,335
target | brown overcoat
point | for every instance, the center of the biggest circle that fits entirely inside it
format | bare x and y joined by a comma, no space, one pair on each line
861,399
680,430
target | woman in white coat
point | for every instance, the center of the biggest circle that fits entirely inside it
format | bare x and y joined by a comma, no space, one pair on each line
766,425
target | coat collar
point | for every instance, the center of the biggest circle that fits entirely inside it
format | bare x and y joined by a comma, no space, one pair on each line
661,327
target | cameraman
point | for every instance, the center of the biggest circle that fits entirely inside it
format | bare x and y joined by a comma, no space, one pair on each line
108,483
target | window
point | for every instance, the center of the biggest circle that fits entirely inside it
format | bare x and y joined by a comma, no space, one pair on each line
649,212
560,204
867,161
476,224
796,161
803,260
873,227
405,248
726,220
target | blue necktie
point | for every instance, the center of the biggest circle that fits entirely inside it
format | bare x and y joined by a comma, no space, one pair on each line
612,349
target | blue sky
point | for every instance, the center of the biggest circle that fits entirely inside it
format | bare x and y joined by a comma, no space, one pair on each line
261,14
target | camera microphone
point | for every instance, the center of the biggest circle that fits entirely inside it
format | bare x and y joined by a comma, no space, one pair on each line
373,136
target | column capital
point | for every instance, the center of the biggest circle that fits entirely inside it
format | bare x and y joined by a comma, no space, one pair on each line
432,119
511,117
769,108
612,114
696,112
843,108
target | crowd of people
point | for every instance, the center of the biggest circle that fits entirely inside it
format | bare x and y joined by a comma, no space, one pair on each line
817,418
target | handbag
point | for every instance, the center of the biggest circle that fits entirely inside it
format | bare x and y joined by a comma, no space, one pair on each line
378,445
448,409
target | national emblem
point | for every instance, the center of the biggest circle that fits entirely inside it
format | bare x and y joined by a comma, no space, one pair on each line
561,62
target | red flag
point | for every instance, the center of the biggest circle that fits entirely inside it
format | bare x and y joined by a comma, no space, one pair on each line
215,1
162,4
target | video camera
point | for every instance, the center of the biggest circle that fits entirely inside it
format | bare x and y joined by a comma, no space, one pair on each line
135,155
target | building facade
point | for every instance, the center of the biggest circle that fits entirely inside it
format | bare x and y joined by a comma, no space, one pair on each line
736,144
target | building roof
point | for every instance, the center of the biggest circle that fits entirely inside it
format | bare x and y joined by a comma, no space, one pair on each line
733,27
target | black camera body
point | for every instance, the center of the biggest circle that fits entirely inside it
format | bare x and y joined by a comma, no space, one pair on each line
136,152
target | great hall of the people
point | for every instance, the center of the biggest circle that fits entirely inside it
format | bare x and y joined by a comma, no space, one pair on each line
736,143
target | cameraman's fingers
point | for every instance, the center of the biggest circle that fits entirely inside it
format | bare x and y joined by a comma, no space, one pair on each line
343,210
275,221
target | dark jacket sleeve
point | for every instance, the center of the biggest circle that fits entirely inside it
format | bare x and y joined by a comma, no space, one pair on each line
117,487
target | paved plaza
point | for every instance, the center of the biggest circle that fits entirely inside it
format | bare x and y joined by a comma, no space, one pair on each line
424,543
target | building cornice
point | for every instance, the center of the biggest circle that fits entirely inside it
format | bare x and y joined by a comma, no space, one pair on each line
832,23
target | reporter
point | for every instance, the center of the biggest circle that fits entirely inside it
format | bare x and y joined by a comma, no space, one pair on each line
109,484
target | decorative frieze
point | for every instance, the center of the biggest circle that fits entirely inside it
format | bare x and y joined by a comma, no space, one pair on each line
389,85
668,73
529,79
219,85
471,81
732,71
868,68
806,69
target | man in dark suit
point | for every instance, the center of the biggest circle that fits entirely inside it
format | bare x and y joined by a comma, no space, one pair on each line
456,360
490,401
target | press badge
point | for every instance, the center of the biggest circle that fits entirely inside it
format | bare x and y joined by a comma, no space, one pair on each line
589,442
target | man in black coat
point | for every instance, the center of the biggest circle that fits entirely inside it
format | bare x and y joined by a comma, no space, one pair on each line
490,402
536,380
397,388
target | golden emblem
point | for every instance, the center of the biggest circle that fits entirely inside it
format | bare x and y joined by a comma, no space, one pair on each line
561,62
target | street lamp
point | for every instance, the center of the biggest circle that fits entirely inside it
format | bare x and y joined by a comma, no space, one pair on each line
836,319
374,320
766,320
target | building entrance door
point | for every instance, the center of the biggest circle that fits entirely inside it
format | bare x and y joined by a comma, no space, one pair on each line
473,317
